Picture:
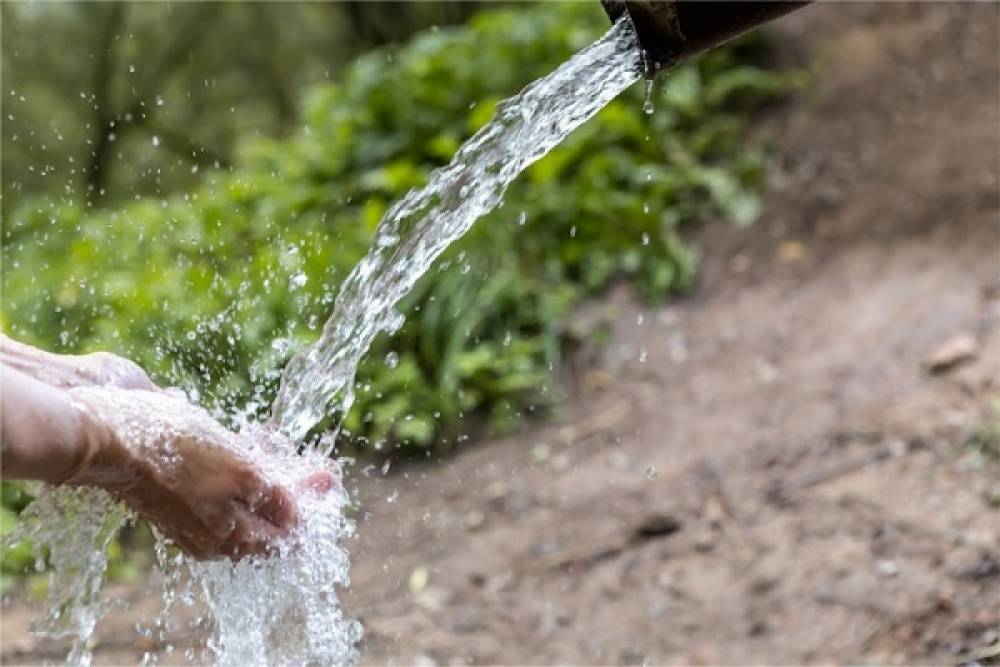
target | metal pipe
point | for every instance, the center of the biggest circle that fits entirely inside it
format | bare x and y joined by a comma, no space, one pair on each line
673,30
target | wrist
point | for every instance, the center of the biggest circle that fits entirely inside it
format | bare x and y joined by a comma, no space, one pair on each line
96,453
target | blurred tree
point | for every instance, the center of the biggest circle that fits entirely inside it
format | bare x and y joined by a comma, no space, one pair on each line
140,97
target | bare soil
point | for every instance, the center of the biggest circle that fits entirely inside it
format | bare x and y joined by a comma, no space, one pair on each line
767,471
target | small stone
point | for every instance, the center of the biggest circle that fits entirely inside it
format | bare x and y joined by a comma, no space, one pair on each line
887,568
959,348
540,453
975,565
418,579
497,490
897,447
500,582
432,599
714,512
474,520
791,251
765,371
704,541
658,525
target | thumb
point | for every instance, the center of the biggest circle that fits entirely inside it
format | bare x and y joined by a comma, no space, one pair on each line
320,482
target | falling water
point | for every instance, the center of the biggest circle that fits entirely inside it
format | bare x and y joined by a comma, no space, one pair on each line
283,609
319,381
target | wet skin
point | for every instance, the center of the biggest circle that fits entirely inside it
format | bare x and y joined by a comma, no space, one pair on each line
60,422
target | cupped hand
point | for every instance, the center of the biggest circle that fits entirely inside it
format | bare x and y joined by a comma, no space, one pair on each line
212,502
176,466
98,420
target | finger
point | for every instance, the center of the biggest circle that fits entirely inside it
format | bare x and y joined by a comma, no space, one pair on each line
320,482
252,537
250,483
240,544
277,506
109,369
267,501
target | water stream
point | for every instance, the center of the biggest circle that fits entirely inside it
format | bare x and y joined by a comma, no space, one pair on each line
319,381
283,610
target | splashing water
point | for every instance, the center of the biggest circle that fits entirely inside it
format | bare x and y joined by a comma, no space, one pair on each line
417,229
283,610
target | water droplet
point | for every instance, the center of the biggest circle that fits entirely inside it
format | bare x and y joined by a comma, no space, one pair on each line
131,68
647,105
392,359
651,472
156,140
299,280
522,218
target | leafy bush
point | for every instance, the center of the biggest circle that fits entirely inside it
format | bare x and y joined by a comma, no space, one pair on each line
213,290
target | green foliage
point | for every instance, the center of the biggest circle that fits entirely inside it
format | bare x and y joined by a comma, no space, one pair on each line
20,557
206,289
171,86
128,556
985,441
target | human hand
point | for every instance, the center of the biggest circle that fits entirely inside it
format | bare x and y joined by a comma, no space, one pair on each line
97,369
176,466
98,420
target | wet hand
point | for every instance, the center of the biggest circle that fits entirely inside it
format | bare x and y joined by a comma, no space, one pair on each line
97,369
98,420
176,466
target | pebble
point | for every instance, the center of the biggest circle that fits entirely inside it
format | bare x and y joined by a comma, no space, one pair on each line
418,579
540,453
474,520
791,251
887,568
957,349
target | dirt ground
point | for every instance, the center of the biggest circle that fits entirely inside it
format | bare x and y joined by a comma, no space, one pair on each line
770,470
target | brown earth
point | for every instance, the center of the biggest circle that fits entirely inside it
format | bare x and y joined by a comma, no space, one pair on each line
768,471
